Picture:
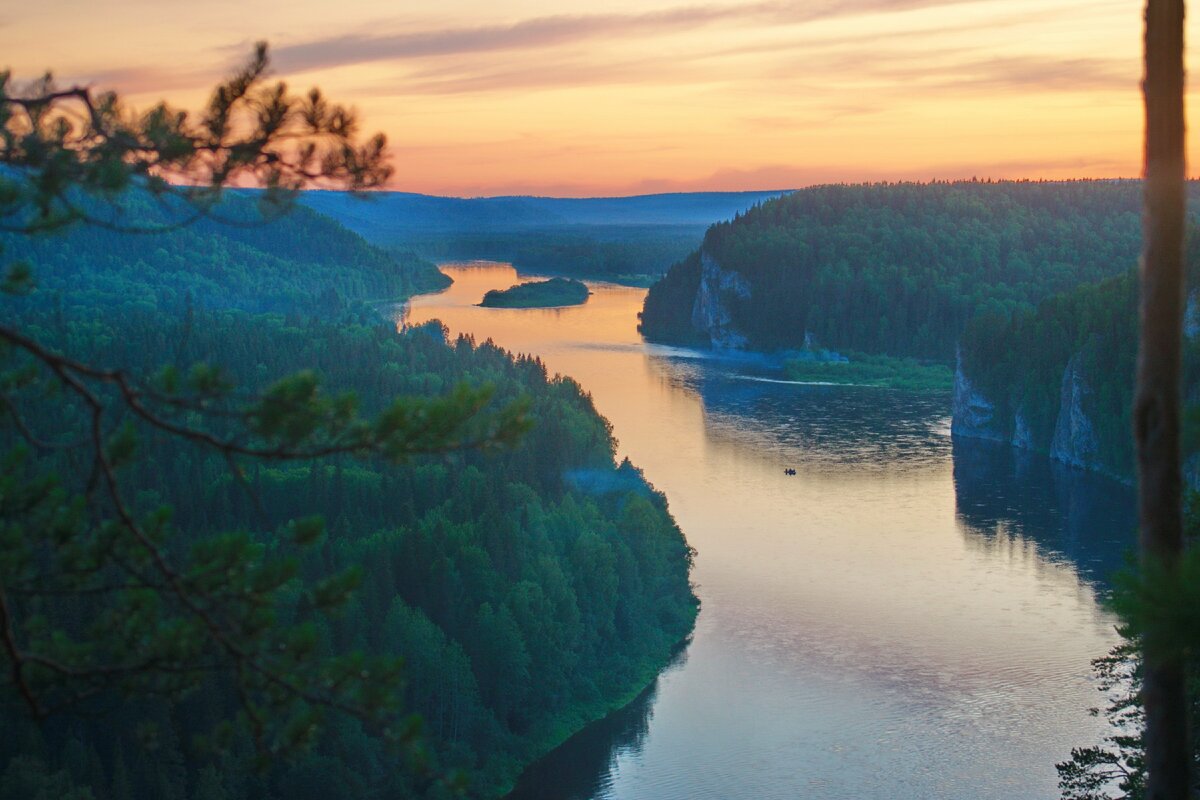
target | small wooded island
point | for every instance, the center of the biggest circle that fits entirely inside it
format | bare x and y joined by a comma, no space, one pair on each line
538,294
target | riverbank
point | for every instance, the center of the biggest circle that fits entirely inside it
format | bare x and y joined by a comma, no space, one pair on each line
523,784
544,776
826,662
904,374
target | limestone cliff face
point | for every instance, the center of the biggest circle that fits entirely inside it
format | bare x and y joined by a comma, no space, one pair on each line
1075,440
710,314
973,414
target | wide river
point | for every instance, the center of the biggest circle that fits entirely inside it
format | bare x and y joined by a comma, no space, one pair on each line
906,617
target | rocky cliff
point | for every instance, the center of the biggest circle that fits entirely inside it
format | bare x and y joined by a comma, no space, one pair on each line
1058,379
710,312
973,415
1074,440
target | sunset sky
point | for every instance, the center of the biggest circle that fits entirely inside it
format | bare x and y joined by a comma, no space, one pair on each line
636,96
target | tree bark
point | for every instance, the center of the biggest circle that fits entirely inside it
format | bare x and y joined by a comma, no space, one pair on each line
1157,407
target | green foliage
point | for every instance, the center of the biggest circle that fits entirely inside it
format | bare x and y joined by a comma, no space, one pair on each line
899,269
299,262
1160,612
630,240
66,144
1161,606
625,254
666,315
1118,763
538,294
167,585
1020,361
523,603
904,374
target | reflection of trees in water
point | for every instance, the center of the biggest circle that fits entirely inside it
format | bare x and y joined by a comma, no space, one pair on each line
1007,497
580,768
825,427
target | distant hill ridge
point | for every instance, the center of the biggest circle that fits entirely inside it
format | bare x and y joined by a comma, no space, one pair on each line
384,214
893,269
629,240
301,261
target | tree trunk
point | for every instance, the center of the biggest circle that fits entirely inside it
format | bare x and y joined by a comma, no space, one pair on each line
1156,412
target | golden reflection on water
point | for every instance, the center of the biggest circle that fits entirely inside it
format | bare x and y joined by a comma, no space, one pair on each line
859,635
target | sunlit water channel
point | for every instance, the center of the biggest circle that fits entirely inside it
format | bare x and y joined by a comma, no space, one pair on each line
904,618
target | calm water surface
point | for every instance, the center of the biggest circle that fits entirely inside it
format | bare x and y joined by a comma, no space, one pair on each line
904,618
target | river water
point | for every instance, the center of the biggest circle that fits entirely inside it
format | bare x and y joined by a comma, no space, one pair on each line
906,617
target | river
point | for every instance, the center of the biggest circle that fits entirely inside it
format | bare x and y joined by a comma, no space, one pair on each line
906,617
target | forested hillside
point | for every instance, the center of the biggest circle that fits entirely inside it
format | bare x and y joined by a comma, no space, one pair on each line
391,216
632,255
528,590
1059,378
301,261
622,239
894,269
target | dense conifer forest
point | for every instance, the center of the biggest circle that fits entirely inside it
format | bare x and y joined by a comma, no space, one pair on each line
527,590
299,262
1018,363
629,240
635,255
899,269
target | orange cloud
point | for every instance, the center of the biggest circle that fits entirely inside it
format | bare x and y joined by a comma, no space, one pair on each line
647,95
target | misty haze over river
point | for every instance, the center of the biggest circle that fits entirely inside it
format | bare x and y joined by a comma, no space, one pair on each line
906,617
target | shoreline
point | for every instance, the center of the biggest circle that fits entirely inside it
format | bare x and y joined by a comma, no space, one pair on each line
644,688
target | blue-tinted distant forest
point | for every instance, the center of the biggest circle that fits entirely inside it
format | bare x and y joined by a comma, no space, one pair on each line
622,239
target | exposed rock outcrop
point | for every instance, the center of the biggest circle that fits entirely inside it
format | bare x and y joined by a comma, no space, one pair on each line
1075,441
710,314
973,414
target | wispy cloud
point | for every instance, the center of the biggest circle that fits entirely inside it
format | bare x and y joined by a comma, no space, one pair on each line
1033,72
917,70
550,31
591,97
960,69
460,78
993,22
818,76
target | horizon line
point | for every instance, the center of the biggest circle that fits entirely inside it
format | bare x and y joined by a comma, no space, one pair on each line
680,192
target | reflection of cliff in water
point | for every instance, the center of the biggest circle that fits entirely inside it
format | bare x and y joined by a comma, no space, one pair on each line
1072,515
748,405
581,767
